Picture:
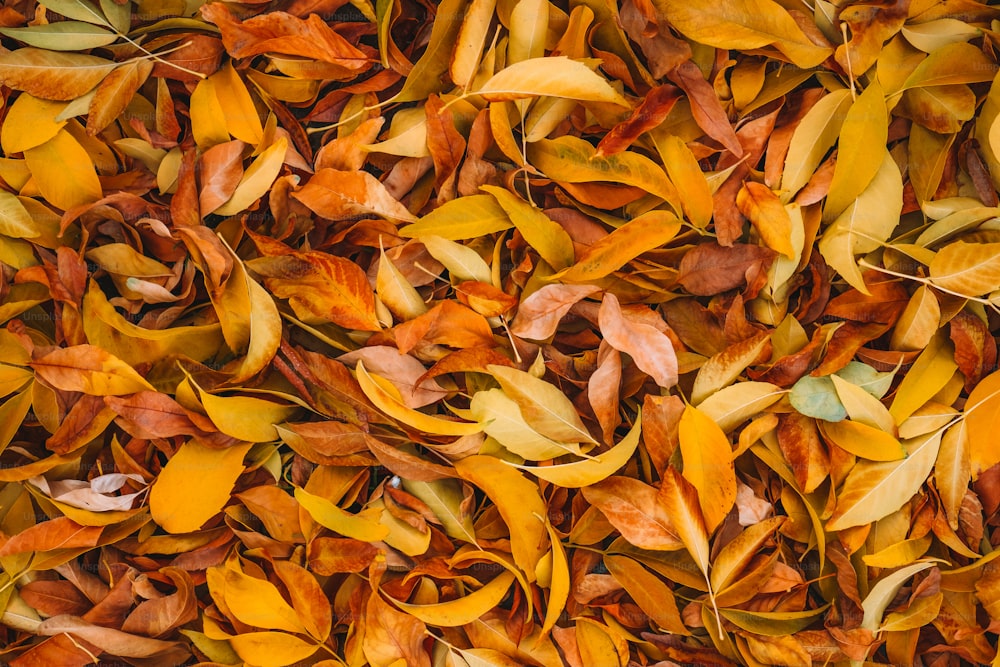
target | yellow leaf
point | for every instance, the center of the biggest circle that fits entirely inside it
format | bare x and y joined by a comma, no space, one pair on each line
463,263
862,440
519,504
394,407
722,369
502,421
650,593
547,237
238,109
470,41
899,554
258,602
731,406
866,125
460,611
930,372
257,179
743,24
682,501
208,120
862,407
106,329
767,214
125,260
29,122
574,160
684,171
708,464
543,405
865,224
195,485
592,470
969,269
64,172
815,134
245,417
462,218
918,323
610,253
400,297
982,414
359,526
529,22
556,76
271,649
733,558
876,490
559,584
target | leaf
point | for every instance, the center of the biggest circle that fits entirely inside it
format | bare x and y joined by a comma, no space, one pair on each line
591,470
981,413
519,504
723,368
681,500
462,610
90,370
544,235
817,397
463,218
257,179
744,24
612,252
731,406
636,510
392,637
29,122
539,314
966,268
62,36
185,496
357,526
543,406
650,349
708,464
322,286
883,592
51,75
710,269
502,420
650,593
573,160
865,224
337,195
271,649
395,408
765,211
875,490
63,171
113,641
555,76
812,138
862,440
866,124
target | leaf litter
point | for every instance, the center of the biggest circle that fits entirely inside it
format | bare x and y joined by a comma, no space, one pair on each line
493,332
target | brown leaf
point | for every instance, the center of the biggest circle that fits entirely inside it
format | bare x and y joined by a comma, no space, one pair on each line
391,635
113,641
59,533
159,616
278,32
340,195
705,106
710,269
332,555
221,170
319,285
634,508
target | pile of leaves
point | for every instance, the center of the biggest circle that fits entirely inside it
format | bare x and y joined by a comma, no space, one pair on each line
499,332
